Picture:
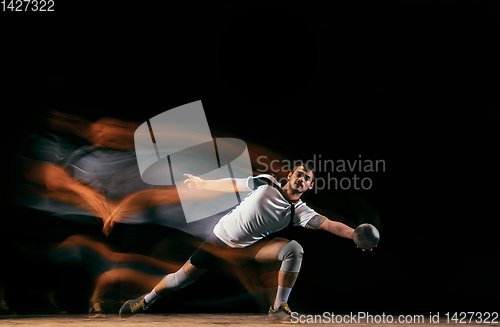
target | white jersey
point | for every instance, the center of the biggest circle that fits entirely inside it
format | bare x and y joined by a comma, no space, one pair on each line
264,211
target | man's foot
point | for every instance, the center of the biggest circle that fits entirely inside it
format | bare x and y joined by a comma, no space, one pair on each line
282,314
132,307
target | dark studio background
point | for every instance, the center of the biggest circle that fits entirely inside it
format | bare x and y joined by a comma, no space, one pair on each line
411,83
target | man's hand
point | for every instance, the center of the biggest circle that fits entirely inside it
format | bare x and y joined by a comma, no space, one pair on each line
369,250
366,237
194,182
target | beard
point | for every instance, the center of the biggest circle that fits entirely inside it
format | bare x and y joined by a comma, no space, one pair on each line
298,187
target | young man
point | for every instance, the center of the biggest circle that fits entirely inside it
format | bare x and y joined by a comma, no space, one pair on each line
267,209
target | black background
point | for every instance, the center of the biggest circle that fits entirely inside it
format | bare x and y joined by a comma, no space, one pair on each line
412,83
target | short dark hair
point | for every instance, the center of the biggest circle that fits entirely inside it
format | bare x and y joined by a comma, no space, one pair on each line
307,167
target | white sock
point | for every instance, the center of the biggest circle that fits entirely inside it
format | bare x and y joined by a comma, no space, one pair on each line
281,296
151,297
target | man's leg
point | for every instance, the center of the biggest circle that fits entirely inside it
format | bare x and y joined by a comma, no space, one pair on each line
186,275
290,254
172,282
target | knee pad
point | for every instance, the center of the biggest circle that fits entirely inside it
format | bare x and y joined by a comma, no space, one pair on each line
291,256
177,280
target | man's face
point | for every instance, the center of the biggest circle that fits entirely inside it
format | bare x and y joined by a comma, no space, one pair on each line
301,180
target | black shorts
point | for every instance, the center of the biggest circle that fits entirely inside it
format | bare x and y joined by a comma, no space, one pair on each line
203,258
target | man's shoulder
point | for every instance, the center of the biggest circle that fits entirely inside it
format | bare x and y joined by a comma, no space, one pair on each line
302,206
263,179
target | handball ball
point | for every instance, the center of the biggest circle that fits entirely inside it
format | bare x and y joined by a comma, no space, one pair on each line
366,236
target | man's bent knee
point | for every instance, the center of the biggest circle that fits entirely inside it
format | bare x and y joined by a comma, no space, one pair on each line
291,256
177,280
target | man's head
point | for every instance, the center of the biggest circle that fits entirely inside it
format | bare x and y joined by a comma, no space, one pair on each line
301,178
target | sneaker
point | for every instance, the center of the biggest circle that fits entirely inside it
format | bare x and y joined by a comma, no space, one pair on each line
131,307
282,314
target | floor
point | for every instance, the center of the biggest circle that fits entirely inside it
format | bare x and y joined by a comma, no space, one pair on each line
223,319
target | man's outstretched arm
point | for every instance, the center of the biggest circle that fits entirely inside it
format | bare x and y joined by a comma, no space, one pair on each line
155,197
222,185
320,222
